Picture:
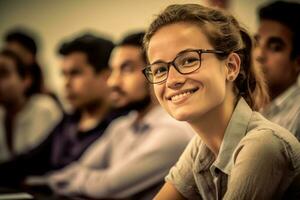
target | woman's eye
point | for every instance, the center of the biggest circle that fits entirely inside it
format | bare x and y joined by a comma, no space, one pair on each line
190,61
159,71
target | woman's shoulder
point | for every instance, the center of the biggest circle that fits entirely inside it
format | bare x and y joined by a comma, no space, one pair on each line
267,139
260,127
43,102
43,105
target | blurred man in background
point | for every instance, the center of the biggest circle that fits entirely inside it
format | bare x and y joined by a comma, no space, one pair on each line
277,53
137,150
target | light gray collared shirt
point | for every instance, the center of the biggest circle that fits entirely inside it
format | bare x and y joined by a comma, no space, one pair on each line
257,160
285,109
127,159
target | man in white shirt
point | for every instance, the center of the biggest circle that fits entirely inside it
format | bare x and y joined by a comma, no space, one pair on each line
278,54
136,152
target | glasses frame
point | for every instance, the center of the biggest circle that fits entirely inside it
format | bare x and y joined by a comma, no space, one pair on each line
172,63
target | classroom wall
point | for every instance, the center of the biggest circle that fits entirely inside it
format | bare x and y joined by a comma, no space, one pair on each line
58,19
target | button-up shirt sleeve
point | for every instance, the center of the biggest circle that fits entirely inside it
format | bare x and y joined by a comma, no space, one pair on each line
260,162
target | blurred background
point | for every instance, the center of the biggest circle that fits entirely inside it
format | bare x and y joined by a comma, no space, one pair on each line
56,20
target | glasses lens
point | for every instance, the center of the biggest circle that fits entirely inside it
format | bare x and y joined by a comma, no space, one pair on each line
159,72
188,62
147,72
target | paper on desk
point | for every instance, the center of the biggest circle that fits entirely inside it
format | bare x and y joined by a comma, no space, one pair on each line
36,180
20,195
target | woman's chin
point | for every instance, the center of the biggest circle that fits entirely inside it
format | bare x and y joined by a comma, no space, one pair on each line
180,116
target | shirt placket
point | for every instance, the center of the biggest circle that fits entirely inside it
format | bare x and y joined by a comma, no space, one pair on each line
220,182
217,183
206,185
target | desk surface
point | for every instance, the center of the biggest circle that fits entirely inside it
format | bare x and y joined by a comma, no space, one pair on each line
41,193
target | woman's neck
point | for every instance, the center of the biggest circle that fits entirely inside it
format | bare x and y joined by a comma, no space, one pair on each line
212,125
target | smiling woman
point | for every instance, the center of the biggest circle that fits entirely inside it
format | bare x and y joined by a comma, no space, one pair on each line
200,65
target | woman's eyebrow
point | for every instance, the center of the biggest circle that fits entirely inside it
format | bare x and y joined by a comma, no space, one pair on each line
180,52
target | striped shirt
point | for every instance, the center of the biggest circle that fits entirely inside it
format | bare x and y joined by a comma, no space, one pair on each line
285,109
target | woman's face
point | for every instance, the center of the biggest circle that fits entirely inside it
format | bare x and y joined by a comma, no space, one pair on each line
188,97
12,85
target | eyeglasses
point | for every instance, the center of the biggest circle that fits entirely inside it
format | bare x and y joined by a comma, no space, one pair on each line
185,62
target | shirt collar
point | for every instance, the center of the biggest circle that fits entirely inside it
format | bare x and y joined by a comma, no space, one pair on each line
235,131
205,159
150,118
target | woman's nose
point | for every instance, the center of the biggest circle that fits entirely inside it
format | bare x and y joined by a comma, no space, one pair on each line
174,79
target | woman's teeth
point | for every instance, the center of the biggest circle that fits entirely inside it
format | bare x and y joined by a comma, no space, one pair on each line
180,96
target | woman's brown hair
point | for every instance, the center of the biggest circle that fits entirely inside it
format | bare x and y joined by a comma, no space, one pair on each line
225,34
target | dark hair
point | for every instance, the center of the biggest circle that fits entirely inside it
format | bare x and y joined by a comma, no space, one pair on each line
134,39
288,14
20,67
33,71
225,34
24,39
97,50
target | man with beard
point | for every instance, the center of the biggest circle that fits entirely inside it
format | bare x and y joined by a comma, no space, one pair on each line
278,54
136,152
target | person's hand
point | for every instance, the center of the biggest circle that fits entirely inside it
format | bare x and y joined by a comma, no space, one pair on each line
61,181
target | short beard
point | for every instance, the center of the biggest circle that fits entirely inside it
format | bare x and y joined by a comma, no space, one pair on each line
138,105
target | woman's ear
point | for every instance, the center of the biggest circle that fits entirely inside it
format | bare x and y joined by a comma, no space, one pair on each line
233,64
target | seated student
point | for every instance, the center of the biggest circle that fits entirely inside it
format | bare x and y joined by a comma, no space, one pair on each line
85,71
278,54
137,150
200,65
27,116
